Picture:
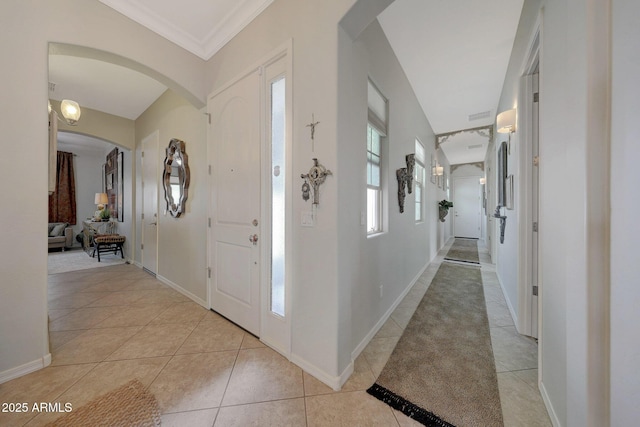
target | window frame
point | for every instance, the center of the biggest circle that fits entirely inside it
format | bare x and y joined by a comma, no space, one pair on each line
378,189
419,165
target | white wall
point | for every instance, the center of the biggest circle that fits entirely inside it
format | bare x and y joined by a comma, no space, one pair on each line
182,245
625,229
23,264
393,259
573,224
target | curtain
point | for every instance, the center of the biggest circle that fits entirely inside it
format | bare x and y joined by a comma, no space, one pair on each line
62,203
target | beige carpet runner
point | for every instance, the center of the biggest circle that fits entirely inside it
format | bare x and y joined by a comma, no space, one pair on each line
464,250
442,373
129,405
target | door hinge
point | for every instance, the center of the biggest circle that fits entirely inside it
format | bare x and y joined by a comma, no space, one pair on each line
142,216
536,97
209,222
142,154
536,160
209,272
141,246
535,227
535,291
208,117
209,169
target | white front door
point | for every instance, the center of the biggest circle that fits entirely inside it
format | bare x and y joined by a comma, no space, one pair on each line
235,205
149,220
466,207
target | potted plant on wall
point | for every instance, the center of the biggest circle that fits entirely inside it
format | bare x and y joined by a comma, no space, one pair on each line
443,208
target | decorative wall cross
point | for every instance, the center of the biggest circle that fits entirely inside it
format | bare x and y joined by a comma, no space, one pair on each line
312,180
312,125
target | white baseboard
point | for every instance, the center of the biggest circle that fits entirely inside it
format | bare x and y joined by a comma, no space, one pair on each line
136,263
514,317
25,369
335,382
183,291
365,341
547,403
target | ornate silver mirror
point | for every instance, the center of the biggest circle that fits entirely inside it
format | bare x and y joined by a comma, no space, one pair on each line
175,178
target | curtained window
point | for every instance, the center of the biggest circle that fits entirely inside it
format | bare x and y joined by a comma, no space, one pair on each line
62,203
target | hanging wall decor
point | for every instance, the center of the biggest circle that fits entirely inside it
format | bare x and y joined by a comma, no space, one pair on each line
112,179
312,181
176,178
313,125
405,178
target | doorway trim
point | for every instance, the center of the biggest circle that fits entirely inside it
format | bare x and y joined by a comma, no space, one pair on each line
274,333
527,302
153,138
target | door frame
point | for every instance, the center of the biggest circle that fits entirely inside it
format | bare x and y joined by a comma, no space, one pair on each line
479,204
155,135
276,334
527,302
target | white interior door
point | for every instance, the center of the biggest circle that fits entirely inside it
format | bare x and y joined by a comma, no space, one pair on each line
466,207
149,219
236,174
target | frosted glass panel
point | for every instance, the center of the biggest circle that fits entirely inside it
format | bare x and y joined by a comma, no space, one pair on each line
278,197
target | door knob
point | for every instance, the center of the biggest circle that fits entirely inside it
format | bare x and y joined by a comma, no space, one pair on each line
254,239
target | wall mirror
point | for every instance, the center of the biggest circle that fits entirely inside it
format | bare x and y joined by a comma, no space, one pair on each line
175,177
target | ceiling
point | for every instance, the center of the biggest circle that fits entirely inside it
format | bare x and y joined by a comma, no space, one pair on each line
454,54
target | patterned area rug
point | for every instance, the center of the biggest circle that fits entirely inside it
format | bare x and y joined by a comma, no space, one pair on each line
442,372
61,262
464,250
129,405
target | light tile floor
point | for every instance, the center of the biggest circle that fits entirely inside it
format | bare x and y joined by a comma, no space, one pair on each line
113,324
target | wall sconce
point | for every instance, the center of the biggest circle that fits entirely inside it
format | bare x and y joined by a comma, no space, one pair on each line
483,181
70,111
506,123
439,170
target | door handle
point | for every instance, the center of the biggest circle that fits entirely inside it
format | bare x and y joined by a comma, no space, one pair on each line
153,223
253,239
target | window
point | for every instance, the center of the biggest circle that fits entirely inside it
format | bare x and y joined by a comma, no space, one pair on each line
419,180
376,131
374,189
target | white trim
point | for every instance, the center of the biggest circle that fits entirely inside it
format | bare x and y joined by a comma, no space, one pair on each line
523,195
229,26
547,403
335,382
365,341
25,369
182,290
511,310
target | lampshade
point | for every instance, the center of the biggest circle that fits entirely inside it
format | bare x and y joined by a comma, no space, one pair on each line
70,111
506,121
101,198
483,180
439,170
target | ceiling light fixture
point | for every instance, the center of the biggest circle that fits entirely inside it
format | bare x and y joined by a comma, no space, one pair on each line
70,111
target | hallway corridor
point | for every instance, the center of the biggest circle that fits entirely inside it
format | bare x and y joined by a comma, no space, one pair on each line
113,324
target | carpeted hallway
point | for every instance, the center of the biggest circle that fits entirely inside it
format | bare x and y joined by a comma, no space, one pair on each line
115,324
